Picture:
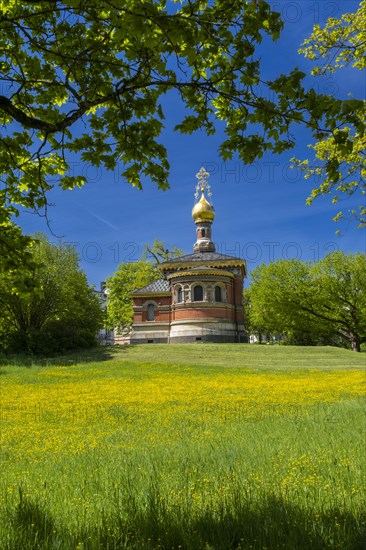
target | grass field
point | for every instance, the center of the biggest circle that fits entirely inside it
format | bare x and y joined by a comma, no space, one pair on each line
198,446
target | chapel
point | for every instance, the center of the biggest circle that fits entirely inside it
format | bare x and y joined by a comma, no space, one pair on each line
199,297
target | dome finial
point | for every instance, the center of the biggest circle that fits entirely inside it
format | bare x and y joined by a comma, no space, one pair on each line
203,214
203,209
202,184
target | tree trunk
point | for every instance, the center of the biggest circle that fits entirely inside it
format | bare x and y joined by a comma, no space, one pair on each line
355,342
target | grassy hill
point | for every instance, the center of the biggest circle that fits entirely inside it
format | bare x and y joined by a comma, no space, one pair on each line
202,446
220,355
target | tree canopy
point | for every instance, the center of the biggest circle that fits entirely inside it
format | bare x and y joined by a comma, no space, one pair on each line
89,79
322,299
340,156
131,276
48,306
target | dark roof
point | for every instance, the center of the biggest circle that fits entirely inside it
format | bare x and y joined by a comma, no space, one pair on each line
201,257
161,285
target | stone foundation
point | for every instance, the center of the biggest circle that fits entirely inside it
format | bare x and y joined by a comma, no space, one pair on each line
146,333
187,332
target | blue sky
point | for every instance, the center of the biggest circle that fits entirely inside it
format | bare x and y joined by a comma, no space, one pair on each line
260,209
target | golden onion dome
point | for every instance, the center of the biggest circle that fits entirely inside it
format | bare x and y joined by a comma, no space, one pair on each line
203,210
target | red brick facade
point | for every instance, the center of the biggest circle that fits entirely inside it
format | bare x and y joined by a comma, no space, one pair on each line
199,296
183,312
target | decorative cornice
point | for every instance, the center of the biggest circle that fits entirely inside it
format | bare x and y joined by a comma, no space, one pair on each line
202,321
197,273
209,263
202,305
150,324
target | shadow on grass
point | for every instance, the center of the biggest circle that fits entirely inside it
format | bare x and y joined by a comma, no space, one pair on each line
99,353
32,525
272,524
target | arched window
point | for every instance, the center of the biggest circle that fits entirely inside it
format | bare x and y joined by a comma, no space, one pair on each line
179,294
198,293
151,312
218,294
203,233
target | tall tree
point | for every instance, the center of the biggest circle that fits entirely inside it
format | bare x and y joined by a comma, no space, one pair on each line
128,277
340,156
255,321
48,306
338,295
89,79
321,299
14,246
271,306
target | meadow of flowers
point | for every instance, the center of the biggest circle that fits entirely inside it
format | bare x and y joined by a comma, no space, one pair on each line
185,453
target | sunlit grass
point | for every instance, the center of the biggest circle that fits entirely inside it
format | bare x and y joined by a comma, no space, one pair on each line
162,447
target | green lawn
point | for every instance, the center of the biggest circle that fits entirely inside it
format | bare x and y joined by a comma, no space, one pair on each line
199,446
220,355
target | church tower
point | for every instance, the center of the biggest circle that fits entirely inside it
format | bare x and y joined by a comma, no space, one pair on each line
203,214
199,297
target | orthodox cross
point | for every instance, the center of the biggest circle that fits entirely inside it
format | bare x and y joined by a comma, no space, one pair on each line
202,184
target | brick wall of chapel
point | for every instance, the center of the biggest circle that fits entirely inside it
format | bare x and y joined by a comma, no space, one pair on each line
232,310
162,309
